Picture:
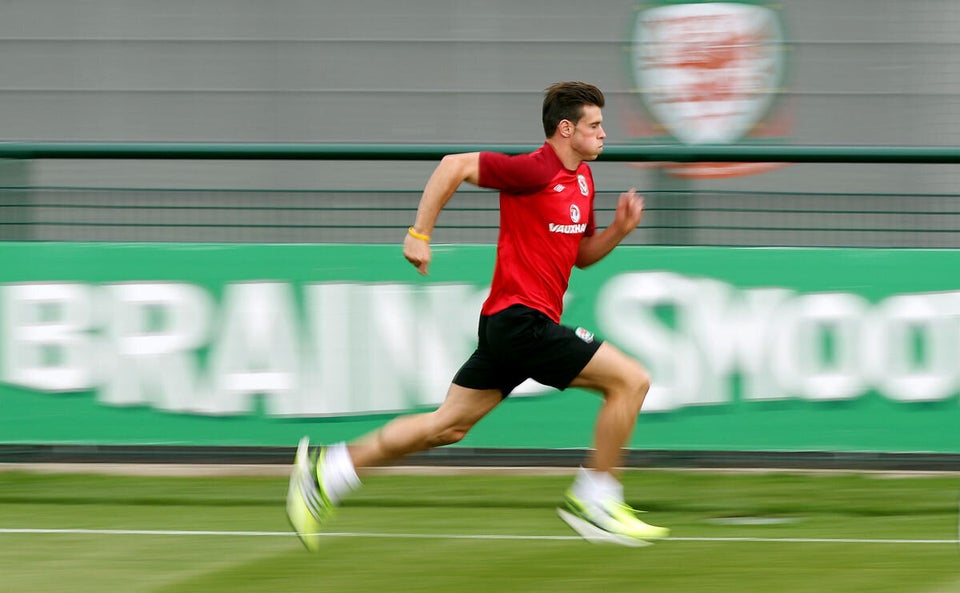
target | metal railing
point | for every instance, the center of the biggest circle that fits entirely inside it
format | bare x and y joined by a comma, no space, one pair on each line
415,152
678,212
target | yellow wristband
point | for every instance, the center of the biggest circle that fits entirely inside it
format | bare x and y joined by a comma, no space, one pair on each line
417,235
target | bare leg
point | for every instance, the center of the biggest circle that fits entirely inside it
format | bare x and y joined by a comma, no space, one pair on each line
404,435
595,506
624,383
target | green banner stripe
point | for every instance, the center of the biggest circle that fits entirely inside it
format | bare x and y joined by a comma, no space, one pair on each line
255,345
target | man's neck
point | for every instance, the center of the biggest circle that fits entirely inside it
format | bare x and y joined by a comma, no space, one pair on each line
570,159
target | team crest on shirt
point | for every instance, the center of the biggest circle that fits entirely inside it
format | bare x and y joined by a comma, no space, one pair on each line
582,182
584,335
570,229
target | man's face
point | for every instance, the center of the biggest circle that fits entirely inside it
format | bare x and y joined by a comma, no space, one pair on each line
588,134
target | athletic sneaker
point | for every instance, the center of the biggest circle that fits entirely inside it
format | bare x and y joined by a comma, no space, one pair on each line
609,521
307,505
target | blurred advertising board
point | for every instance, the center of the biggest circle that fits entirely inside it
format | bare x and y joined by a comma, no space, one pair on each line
220,344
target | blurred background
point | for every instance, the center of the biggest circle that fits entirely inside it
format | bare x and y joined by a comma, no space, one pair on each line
433,71
797,72
208,313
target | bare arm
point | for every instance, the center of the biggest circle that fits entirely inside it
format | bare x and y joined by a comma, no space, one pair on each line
453,170
596,247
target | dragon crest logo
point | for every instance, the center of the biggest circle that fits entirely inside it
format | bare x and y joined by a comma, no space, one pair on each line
708,72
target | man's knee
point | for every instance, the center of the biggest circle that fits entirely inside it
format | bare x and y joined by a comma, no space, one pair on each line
637,384
629,386
449,436
445,433
642,380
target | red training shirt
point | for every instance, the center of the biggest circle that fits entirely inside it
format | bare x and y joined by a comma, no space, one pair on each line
545,210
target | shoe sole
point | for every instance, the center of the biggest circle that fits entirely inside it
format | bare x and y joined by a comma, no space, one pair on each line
595,535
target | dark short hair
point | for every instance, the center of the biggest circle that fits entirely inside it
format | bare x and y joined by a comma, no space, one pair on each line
565,101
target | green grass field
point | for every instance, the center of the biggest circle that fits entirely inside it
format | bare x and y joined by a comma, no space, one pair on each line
808,534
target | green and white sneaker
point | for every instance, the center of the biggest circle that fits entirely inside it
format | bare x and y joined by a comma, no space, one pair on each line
611,521
307,505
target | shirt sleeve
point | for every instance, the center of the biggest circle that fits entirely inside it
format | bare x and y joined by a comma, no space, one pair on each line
521,173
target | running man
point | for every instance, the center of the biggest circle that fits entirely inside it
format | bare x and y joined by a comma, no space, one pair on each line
547,227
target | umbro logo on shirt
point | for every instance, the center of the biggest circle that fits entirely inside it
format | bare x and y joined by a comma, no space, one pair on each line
559,187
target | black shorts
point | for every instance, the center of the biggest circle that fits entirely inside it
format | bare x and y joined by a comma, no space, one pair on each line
521,343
